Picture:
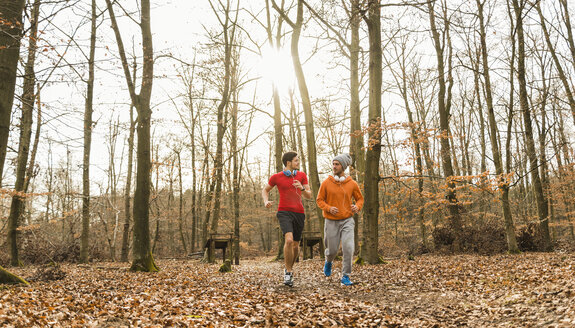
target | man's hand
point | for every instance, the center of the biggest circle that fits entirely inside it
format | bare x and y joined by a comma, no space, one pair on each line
354,208
297,184
333,210
268,203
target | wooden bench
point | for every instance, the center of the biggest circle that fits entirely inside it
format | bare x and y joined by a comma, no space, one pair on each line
308,240
221,241
196,255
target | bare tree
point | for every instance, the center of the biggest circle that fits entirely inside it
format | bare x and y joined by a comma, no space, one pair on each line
128,186
229,35
558,65
85,239
495,149
276,98
305,98
28,96
11,14
401,79
142,258
369,251
443,108
541,201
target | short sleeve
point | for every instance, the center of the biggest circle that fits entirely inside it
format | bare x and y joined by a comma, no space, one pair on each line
272,181
304,179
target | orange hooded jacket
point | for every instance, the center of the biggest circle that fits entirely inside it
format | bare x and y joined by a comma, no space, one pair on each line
338,194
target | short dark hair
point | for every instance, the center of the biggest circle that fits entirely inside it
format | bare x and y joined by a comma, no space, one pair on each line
288,157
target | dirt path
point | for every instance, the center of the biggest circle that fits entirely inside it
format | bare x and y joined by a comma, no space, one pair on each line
529,290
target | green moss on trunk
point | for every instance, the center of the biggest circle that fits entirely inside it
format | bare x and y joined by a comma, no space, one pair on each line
9,278
146,264
226,267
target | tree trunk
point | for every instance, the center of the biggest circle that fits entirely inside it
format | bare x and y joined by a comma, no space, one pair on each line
560,71
142,259
195,211
445,152
236,177
11,12
28,96
306,104
228,42
9,278
156,196
415,129
30,172
373,153
128,188
567,21
356,140
503,183
276,98
85,239
181,204
541,201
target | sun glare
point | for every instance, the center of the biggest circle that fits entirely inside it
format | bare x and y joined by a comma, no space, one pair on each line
276,67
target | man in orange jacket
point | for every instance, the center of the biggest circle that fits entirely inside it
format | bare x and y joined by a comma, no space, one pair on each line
335,199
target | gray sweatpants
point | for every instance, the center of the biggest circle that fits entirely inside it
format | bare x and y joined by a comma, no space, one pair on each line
336,232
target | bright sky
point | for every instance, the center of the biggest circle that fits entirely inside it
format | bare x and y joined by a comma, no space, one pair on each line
179,28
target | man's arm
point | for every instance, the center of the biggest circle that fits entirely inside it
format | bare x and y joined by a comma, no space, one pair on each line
306,193
305,189
358,198
320,201
266,196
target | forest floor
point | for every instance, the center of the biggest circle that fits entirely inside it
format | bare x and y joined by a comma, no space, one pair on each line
527,290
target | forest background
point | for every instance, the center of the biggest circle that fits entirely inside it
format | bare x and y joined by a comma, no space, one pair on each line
459,116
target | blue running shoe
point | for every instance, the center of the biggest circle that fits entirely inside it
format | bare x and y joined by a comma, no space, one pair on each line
327,268
345,281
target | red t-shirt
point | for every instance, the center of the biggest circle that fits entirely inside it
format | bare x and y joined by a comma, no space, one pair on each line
290,196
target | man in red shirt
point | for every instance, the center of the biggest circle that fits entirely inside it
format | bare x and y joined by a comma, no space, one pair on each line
292,184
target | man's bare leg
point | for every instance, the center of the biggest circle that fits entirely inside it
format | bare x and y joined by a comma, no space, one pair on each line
289,256
295,252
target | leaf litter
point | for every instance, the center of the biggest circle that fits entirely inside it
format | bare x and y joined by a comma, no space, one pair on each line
431,291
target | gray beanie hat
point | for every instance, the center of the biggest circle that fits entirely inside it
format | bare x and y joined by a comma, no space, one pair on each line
344,160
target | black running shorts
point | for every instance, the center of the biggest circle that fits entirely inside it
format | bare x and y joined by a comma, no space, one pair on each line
291,222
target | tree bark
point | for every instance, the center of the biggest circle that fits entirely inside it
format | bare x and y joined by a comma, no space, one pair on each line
28,96
9,278
416,137
142,259
567,20
541,201
10,36
306,104
85,238
503,183
228,27
235,176
276,98
445,152
558,66
371,208
181,204
128,187
30,172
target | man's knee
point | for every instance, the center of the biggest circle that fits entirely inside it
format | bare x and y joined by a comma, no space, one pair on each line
291,243
288,239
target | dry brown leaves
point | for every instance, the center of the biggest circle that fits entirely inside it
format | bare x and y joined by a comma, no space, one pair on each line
525,290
